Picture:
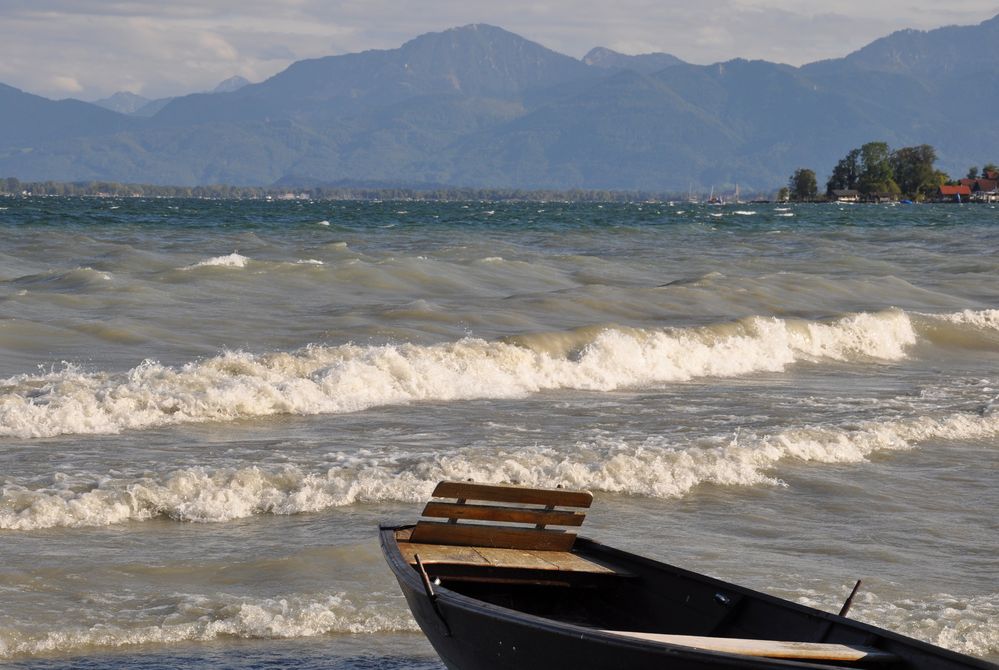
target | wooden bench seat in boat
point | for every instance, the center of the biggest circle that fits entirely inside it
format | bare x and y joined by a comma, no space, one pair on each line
507,539
802,651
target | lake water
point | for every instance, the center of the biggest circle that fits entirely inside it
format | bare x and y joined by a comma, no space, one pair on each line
207,407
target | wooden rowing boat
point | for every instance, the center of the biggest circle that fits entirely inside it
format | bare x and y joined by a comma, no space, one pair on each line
494,585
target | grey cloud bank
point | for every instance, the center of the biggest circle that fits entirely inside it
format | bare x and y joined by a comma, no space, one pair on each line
89,49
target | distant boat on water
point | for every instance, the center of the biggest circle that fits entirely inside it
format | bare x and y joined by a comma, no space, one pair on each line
691,200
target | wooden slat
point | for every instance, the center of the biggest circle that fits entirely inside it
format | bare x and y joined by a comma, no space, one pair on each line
568,562
478,535
805,651
561,561
513,494
519,558
437,553
554,561
500,513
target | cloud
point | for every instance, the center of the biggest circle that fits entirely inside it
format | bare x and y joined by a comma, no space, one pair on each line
275,52
66,84
151,55
168,48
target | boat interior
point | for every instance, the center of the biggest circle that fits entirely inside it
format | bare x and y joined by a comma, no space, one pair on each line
512,547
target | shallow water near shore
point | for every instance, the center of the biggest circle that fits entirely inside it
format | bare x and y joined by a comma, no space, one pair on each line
207,407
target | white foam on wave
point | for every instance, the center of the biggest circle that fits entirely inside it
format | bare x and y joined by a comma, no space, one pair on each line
233,260
350,378
653,467
104,276
202,495
204,618
987,319
966,625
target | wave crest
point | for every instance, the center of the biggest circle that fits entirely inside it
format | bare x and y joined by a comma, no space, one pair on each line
347,378
233,260
652,468
203,618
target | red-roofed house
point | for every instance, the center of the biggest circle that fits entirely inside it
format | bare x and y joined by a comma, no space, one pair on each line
987,190
957,193
982,184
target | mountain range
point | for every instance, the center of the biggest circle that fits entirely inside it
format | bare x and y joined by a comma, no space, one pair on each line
127,102
480,106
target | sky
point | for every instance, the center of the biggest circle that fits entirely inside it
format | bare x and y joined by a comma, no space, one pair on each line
88,49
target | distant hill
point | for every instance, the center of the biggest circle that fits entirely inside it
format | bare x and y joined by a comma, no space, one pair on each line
646,63
124,102
482,107
231,84
939,53
153,107
27,121
476,61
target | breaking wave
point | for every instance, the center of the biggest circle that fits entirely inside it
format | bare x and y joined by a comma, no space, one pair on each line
233,260
653,468
987,319
967,329
348,378
203,618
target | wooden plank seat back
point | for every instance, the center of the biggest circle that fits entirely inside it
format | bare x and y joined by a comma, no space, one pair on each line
521,520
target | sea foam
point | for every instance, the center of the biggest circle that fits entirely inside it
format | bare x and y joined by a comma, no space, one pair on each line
653,467
987,319
233,260
204,618
348,378
962,624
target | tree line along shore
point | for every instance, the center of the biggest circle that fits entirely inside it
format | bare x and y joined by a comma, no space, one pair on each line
12,186
871,173
876,173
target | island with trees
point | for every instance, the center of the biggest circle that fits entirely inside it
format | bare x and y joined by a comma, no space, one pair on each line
876,173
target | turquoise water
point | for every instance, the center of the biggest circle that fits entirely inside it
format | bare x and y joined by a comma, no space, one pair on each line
207,407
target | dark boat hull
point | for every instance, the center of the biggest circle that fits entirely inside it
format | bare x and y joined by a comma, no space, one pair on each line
474,640
471,634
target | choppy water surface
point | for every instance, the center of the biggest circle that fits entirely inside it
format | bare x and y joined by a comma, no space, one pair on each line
207,407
